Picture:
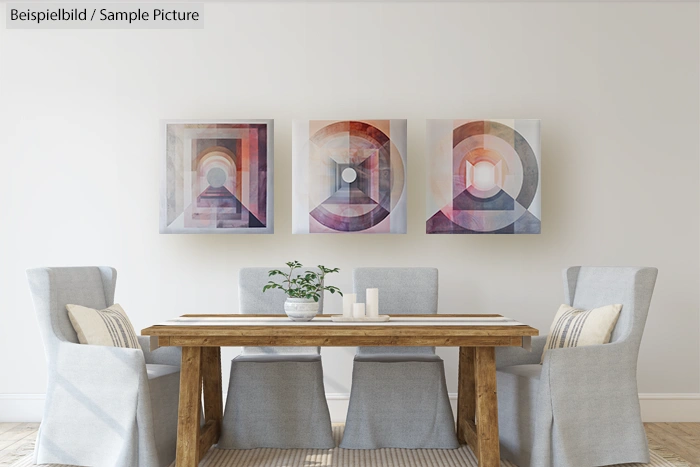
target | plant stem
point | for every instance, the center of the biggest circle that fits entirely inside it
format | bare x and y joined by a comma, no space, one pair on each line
319,288
289,279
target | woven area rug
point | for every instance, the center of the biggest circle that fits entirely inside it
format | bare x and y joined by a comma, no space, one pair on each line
462,457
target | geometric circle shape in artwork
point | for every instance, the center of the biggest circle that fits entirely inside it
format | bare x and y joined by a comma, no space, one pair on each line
377,175
216,177
349,175
522,148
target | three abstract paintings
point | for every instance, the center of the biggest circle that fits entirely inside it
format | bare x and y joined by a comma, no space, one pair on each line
350,176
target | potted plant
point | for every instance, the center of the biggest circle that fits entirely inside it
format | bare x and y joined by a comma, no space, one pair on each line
303,290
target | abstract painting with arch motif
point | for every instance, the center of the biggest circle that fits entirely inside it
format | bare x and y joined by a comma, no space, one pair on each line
218,177
349,176
483,177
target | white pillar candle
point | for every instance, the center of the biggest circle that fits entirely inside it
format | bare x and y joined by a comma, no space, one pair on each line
372,303
349,300
358,310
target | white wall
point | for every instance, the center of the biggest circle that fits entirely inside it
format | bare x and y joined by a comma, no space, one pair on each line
616,87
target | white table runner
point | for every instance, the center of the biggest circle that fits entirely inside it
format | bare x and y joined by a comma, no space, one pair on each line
325,320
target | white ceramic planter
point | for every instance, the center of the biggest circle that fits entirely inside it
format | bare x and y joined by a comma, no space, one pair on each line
300,309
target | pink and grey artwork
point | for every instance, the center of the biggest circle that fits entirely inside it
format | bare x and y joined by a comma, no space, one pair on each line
349,176
218,177
483,177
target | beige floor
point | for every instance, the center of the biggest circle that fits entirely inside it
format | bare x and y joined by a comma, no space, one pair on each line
681,439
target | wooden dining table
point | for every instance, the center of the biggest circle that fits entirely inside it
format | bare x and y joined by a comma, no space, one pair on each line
202,336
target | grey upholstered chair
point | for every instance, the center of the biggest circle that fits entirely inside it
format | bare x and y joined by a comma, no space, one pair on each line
399,396
276,397
105,406
581,406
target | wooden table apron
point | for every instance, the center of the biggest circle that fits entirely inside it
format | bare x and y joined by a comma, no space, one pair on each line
200,375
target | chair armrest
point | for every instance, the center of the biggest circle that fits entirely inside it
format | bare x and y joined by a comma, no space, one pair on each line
604,366
162,355
509,356
96,372
73,357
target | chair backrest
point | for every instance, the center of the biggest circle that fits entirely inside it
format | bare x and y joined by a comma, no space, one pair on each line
402,291
253,300
54,288
591,287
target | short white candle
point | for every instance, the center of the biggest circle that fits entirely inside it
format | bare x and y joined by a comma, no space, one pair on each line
349,300
372,303
358,310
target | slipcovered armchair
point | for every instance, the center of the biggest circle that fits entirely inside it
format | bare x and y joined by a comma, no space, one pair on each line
105,406
399,396
581,406
276,396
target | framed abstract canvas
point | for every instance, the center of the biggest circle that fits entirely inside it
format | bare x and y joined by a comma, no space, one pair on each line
483,177
349,176
217,177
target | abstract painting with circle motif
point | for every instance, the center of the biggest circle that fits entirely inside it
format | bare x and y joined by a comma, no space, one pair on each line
483,177
218,177
349,176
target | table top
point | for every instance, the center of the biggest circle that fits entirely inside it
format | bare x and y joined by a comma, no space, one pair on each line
281,325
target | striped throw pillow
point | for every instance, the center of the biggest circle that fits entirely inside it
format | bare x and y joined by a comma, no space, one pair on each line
110,327
573,327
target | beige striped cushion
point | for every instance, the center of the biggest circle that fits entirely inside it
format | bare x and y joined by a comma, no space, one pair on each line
110,327
573,327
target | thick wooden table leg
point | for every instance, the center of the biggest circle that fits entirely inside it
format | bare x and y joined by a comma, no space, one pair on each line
489,454
190,407
466,397
213,401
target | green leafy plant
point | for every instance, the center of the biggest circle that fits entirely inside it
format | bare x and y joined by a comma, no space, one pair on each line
307,285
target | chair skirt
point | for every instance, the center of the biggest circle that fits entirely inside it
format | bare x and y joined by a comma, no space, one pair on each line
517,410
276,401
399,401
